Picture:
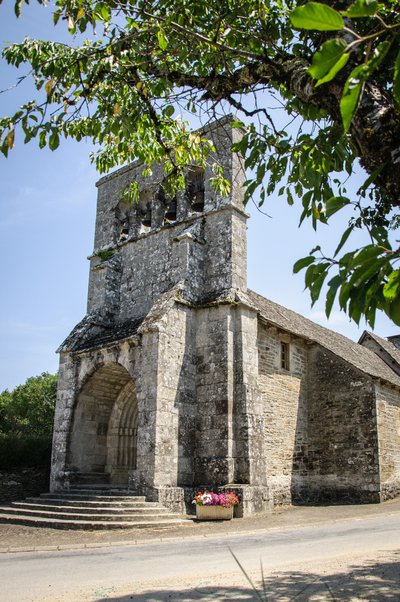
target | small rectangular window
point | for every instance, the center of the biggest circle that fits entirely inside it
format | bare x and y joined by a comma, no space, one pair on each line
284,356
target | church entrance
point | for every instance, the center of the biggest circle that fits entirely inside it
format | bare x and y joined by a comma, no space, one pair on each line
103,442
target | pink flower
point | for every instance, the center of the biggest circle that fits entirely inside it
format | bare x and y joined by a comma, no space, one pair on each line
208,498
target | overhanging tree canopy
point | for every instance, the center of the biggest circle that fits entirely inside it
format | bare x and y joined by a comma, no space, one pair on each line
335,69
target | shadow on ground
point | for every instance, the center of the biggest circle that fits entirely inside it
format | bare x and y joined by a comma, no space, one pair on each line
373,581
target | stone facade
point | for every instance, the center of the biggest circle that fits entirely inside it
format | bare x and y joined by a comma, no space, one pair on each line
179,377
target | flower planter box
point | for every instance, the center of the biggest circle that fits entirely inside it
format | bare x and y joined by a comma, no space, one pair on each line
214,513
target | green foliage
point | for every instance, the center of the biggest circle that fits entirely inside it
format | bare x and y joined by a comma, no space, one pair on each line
105,254
17,451
28,410
26,422
334,54
363,280
314,15
328,61
335,68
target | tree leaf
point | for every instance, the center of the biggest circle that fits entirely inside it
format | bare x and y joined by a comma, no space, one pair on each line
315,15
162,39
169,111
334,204
393,311
17,8
302,263
361,256
328,55
335,69
105,12
343,239
10,138
370,179
396,79
54,140
351,94
391,289
49,86
378,55
42,139
333,286
71,25
362,8
344,295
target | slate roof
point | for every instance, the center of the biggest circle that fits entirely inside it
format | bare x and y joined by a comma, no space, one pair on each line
88,334
353,353
390,350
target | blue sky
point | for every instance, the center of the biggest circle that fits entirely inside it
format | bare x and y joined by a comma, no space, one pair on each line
47,217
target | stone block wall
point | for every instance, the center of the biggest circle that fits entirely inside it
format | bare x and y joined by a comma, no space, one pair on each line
208,256
388,420
343,457
284,397
18,484
225,259
176,399
214,392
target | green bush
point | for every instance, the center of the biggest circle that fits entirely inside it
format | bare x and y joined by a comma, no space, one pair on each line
28,410
26,422
17,451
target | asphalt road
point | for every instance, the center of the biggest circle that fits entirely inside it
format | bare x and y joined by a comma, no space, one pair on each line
170,567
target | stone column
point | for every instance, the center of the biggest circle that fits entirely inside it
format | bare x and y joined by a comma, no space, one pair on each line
66,394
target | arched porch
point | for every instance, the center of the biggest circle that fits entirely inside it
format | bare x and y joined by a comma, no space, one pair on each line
103,440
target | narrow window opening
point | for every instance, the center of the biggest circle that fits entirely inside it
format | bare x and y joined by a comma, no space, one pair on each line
195,189
124,230
145,216
170,206
122,221
285,364
171,212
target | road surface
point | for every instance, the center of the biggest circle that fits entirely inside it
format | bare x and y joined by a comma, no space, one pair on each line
347,560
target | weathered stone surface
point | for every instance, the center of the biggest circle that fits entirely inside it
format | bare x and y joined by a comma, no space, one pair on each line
388,419
179,378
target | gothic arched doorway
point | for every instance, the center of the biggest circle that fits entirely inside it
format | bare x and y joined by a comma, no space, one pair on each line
103,442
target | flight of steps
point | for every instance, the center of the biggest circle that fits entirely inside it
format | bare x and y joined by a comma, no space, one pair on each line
90,507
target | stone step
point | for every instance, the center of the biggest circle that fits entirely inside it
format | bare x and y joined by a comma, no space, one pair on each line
93,507
88,502
147,509
90,496
101,489
88,508
93,525
79,516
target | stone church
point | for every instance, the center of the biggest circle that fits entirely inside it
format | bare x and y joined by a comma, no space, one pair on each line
180,377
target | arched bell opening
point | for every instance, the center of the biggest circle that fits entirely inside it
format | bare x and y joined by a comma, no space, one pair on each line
195,189
103,439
